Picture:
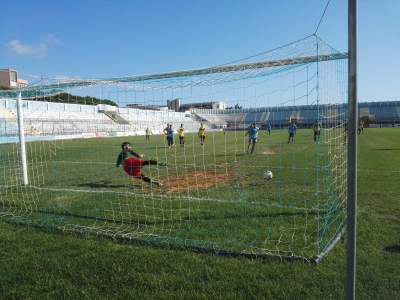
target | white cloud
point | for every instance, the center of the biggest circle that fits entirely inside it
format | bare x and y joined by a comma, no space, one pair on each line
38,51
51,40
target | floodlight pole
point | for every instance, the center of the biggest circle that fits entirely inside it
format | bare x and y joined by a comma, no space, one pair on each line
352,152
22,140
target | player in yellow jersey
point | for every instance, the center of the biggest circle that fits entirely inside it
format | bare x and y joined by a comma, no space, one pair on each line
345,130
181,132
148,133
359,127
316,126
202,134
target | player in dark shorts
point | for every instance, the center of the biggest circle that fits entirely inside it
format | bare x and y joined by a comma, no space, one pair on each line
202,134
292,131
253,137
316,126
181,131
346,129
133,165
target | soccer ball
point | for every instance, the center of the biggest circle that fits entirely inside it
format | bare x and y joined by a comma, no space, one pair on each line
268,175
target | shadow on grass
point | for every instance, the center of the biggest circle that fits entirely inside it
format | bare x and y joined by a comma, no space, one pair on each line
393,249
101,185
154,147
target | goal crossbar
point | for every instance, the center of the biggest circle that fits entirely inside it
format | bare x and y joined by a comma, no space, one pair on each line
65,84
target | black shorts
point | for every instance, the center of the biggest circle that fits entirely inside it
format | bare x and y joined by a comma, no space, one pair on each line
253,140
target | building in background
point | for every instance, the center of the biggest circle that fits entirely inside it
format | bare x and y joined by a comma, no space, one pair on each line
176,105
9,78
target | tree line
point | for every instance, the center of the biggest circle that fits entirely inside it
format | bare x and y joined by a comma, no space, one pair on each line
68,98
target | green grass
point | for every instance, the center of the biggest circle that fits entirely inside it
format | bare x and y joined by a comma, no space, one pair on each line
214,197
40,263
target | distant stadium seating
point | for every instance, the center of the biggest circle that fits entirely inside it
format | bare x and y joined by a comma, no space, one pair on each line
386,112
42,118
7,129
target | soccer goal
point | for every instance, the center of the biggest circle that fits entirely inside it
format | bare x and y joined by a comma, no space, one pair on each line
61,138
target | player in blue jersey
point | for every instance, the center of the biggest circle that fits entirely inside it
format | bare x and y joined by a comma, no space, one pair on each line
269,129
170,135
292,131
253,137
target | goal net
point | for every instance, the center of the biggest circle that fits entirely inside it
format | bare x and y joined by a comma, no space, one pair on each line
65,135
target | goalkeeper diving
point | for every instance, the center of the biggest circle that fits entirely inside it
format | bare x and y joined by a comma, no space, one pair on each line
133,165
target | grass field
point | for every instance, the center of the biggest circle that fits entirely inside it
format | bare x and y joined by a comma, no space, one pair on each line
214,197
47,264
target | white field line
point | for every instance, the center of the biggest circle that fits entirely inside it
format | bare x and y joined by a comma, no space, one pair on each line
165,197
192,165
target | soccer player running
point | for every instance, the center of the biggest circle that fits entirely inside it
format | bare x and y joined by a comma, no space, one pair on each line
317,126
253,137
202,134
269,129
133,165
292,131
181,132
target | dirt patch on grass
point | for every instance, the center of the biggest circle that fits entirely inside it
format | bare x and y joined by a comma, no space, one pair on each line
198,180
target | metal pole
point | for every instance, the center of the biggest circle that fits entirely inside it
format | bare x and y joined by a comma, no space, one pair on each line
22,140
352,152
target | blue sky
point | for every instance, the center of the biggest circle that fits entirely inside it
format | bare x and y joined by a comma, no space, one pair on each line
103,39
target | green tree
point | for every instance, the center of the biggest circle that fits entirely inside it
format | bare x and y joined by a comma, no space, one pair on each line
74,99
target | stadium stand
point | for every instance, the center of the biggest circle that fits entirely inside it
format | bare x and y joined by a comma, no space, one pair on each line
7,128
42,118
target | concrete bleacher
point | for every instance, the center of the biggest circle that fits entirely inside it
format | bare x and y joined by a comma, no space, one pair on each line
142,122
69,122
157,121
279,118
329,114
42,118
220,119
385,114
7,128
253,117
